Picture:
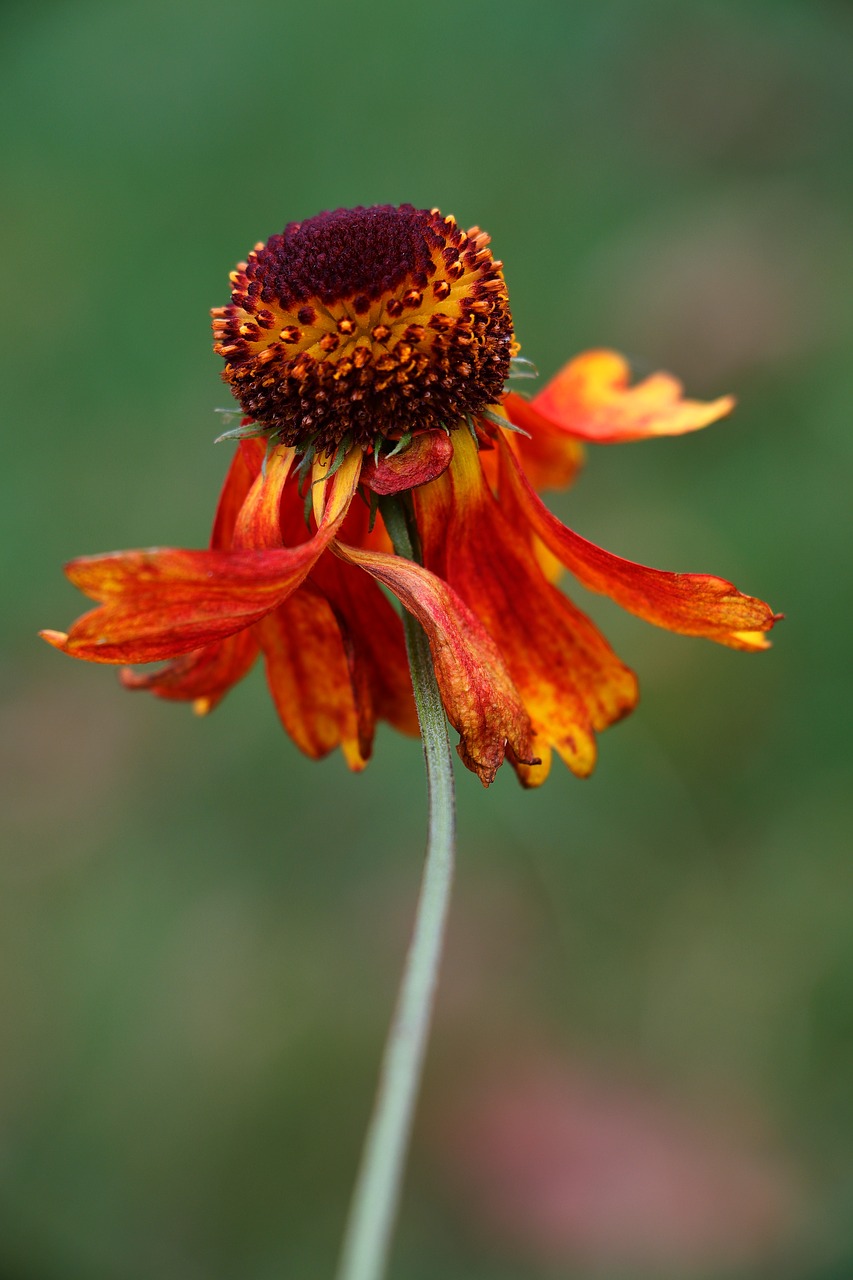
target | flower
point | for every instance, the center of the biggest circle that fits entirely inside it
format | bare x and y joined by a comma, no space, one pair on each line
369,350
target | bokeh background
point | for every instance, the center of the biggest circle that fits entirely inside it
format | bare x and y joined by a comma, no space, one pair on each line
644,1048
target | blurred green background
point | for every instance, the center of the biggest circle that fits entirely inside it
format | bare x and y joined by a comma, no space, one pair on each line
643,1057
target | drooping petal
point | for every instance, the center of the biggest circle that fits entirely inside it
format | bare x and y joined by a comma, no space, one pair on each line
309,678
693,604
373,639
423,460
591,398
571,682
479,697
202,677
161,603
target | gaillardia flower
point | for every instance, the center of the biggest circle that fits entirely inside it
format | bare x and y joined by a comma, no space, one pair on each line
370,350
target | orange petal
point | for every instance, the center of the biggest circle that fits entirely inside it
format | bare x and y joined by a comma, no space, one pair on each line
591,398
423,460
309,678
163,603
693,604
202,677
332,489
570,680
373,640
258,522
479,697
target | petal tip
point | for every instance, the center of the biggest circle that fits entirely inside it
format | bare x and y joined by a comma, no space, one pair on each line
58,639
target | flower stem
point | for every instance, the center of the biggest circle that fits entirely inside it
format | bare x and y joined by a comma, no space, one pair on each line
377,1190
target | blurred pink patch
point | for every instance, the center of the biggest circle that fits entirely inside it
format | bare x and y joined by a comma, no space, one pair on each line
570,1168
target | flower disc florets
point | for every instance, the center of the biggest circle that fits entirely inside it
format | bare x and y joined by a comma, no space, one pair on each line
364,325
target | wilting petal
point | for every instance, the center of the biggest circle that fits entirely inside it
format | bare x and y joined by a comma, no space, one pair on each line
693,604
571,682
423,460
373,641
309,677
591,398
202,677
479,697
163,603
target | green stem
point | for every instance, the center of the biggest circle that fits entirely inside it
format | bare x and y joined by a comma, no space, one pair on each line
377,1190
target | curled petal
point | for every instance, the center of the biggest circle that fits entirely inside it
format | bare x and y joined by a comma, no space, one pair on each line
591,398
202,677
479,697
309,678
258,524
165,602
693,604
425,459
569,678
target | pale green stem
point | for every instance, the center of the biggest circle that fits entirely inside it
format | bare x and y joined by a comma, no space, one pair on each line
373,1210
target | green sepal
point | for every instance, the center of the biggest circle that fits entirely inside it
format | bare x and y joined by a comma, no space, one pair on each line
342,451
243,433
496,418
519,367
403,443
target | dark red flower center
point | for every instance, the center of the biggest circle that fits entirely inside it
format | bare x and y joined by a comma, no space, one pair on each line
362,324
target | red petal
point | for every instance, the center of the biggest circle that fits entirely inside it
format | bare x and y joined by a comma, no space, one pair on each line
423,460
374,642
309,677
202,677
259,523
690,603
479,697
163,603
571,682
591,398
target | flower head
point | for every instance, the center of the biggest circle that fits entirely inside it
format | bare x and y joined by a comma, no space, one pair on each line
366,324
369,350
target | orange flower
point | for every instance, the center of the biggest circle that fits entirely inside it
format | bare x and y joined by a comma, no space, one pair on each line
369,350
